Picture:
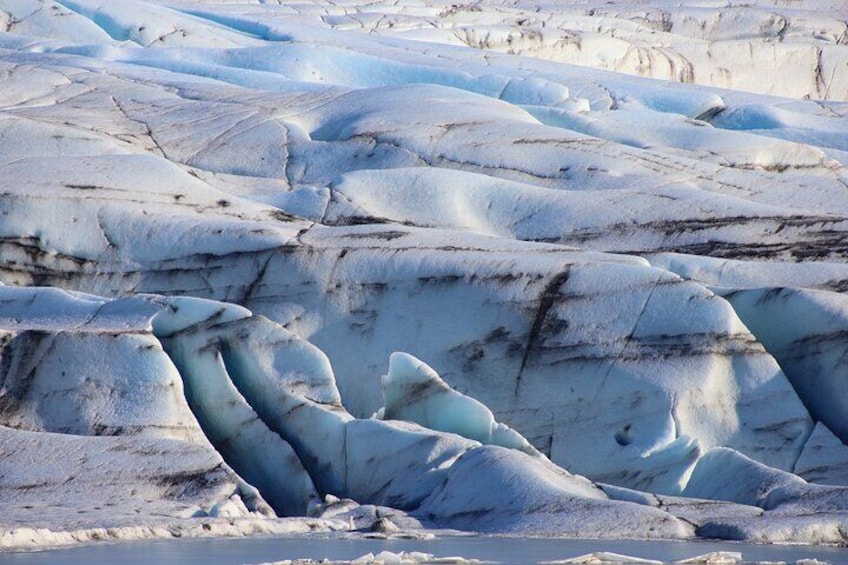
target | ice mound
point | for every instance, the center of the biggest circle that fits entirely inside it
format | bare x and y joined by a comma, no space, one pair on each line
805,331
414,392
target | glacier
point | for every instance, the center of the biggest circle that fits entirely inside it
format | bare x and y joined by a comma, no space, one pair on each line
565,269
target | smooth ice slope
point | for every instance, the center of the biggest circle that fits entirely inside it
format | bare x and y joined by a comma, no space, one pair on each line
824,459
258,454
805,331
482,493
414,392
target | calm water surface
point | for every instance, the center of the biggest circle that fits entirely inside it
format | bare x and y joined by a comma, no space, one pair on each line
499,549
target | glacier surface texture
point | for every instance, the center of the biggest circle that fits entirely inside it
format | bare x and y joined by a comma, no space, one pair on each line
525,267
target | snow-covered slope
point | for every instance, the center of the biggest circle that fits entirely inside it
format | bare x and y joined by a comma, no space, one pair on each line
219,220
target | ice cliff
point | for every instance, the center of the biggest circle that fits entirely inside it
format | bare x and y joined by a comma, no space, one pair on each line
578,302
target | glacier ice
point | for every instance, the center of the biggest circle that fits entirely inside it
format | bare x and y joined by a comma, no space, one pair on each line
824,458
123,384
219,221
259,455
483,492
726,474
805,331
414,392
353,458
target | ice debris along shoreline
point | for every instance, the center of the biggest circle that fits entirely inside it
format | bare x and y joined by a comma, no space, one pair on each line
27,538
610,306
386,558
595,558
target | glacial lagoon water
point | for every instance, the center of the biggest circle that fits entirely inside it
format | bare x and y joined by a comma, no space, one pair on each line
504,550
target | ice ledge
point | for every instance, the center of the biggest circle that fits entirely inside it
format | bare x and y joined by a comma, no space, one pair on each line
16,539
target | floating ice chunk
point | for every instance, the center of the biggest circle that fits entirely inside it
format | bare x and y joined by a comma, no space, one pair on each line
388,557
601,557
404,557
414,392
454,560
713,558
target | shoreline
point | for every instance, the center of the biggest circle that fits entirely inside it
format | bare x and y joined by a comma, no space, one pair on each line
26,538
